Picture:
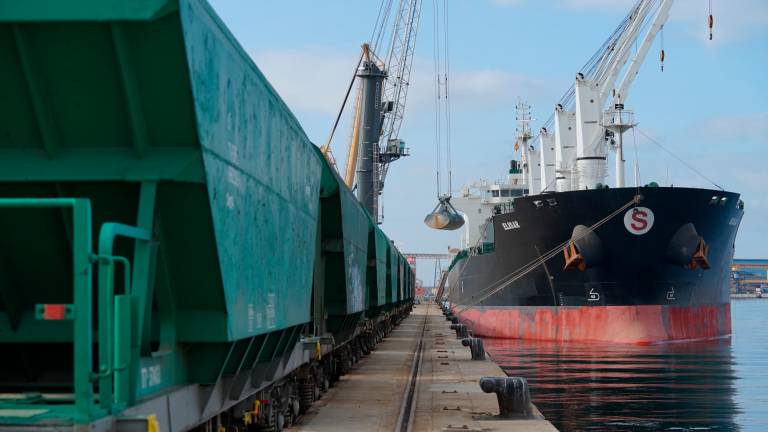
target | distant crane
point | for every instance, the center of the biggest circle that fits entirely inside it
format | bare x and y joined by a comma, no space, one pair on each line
380,103
439,272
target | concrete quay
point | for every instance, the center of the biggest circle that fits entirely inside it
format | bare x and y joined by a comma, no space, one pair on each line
420,378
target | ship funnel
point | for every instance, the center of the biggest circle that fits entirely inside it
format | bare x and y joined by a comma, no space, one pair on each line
444,216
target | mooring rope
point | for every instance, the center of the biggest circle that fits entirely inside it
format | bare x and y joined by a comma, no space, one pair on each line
524,270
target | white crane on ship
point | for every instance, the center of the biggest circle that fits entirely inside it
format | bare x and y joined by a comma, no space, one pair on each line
573,146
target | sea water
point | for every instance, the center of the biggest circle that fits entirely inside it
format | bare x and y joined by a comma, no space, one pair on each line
719,385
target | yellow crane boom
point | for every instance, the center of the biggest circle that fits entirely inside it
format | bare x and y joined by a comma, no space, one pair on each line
353,149
354,145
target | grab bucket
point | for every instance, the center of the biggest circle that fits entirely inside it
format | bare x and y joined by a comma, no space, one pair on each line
444,216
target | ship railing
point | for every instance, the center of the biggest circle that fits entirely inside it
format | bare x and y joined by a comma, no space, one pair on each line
504,207
484,248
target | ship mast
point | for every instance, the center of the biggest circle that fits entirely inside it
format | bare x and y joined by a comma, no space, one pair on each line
523,135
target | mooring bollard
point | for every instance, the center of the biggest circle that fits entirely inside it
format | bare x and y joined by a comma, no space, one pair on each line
448,316
455,327
454,320
513,396
461,330
475,347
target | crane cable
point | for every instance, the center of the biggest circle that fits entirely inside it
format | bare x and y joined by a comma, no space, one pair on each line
661,53
679,159
327,146
438,105
441,58
378,30
382,19
524,270
636,170
444,216
594,64
446,82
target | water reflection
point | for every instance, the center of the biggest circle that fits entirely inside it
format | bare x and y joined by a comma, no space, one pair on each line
610,387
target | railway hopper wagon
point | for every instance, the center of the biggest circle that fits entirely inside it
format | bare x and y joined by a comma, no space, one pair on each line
176,254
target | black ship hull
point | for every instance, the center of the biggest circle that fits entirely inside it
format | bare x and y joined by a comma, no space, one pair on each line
656,271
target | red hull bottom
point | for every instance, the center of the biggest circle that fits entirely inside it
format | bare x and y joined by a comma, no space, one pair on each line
623,324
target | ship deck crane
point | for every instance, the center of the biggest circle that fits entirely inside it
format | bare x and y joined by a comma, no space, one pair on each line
581,120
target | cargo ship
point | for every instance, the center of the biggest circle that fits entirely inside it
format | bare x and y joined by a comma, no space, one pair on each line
553,253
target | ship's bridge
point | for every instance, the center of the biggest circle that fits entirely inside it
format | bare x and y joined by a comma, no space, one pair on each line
477,200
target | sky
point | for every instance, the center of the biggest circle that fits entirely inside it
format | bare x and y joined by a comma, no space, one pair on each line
708,106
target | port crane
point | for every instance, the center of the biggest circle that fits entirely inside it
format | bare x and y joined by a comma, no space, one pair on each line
380,102
573,145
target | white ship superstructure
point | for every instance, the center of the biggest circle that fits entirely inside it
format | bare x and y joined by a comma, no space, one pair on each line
478,200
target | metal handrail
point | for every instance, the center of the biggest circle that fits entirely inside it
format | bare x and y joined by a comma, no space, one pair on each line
82,269
106,369
107,343
81,284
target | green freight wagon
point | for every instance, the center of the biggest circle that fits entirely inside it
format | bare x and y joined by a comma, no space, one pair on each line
394,276
400,274
172,242
378,252
343,254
